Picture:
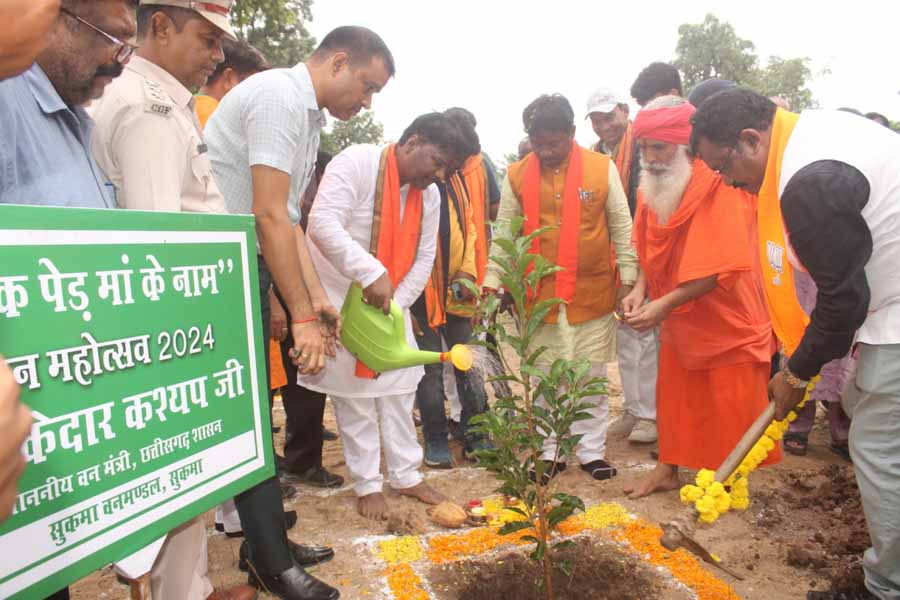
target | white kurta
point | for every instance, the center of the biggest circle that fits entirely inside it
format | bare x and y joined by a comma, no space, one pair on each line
339,233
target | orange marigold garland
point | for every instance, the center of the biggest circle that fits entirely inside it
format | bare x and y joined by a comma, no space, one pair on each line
643,538
404,583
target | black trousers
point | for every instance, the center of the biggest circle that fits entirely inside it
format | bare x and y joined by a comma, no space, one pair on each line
260,507
304,409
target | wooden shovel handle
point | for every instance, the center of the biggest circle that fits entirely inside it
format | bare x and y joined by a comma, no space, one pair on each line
753,434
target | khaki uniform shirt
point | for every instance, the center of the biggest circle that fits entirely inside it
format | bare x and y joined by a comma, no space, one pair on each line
148,143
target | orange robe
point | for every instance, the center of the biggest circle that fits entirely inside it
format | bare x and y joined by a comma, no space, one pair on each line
715,350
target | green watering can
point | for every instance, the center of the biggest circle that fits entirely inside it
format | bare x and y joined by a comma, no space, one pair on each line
379,340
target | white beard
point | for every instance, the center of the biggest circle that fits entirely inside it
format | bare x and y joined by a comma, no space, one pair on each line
664,187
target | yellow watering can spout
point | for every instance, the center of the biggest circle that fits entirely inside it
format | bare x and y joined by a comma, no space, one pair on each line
379,340
460,355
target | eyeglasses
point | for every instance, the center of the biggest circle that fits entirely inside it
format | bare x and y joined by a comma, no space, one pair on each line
124,50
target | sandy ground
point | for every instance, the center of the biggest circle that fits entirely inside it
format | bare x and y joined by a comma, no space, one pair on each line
755,542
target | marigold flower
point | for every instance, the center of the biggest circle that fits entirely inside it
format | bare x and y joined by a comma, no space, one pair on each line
705,504
740,502
709,517
723,502
715,489
705,478
690,494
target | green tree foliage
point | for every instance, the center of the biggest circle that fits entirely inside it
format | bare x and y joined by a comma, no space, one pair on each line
713,49
277,28
361,129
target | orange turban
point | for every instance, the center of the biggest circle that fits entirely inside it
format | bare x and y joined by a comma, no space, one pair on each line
671,124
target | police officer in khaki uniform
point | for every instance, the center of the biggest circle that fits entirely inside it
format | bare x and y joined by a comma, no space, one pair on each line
149,144
148,140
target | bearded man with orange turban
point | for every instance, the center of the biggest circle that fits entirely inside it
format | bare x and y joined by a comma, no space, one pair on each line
695,240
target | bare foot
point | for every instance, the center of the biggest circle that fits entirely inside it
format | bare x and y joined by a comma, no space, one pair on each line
423,493
661,479
372,506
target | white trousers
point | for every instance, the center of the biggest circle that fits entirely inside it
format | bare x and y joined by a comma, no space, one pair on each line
227,515
368,424
592,445
638,362
180,569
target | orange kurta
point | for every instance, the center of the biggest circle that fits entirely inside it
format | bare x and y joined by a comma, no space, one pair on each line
714,350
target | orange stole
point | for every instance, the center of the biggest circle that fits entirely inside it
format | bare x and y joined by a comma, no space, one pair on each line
278,376
476,184
567,253
394,243
788,318
595,292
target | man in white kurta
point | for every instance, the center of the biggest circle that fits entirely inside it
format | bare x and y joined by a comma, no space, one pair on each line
339,233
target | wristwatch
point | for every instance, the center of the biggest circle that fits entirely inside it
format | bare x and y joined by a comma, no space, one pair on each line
794,381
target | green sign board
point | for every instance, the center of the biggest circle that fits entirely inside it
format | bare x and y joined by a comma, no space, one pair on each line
136,340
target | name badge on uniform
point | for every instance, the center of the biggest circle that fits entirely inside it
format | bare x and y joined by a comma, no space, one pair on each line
775,254
585,195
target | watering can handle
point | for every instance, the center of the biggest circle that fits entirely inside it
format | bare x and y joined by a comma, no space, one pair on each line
398,321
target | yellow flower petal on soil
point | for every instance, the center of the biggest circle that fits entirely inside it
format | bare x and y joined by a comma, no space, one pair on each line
405,584
400,550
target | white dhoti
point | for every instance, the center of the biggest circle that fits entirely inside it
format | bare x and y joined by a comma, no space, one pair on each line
638,361
594,341
181,567
368,425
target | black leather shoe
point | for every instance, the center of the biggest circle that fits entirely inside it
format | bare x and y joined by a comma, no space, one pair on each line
551,470
294,584
305,556
315,476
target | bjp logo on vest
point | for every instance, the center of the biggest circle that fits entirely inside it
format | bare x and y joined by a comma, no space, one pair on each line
775,254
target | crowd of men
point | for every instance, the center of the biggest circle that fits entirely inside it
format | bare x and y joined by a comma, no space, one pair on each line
722,249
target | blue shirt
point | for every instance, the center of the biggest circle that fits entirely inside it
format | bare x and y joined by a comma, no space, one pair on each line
45,154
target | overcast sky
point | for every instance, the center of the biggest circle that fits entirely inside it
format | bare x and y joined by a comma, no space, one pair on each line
495,56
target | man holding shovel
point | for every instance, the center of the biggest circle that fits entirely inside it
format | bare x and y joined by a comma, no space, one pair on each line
829,204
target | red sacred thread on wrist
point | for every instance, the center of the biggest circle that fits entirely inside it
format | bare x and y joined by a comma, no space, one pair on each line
304,321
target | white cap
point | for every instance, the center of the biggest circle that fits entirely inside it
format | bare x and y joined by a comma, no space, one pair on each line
216,12
604,100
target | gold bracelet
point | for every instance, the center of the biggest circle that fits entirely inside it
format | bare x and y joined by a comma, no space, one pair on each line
794,381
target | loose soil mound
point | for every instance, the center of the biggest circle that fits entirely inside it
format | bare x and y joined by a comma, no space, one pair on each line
823,508
588,569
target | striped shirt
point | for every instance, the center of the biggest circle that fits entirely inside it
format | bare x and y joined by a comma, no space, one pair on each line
271,119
